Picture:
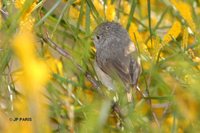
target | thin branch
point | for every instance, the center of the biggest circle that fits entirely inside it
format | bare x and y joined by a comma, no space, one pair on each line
4,13
68,56
147,90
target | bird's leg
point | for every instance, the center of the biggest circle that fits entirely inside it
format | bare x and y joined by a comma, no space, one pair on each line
129,96
129,93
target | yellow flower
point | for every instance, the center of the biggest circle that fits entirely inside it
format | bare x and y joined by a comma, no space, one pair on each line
126,6
186,12
123,20
134,34
26,24
143,6
19,5
54,65
173,32
35,72
168,122
33,77
99,7
137,38
23,45
154,46
74,13
110,12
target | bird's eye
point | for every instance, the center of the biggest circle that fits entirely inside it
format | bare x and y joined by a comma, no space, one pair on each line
107,27
98,37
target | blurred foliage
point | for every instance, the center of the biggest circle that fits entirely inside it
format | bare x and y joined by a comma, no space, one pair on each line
47,80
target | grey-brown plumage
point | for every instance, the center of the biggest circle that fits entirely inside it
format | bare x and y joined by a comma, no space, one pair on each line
115,55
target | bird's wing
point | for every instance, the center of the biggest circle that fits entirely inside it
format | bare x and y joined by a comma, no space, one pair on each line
135,70
125,66
103,77
128,69
122,70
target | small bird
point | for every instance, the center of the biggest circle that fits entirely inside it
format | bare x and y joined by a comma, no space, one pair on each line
116,55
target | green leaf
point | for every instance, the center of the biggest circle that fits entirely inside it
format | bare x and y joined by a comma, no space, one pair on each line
133,5
48,13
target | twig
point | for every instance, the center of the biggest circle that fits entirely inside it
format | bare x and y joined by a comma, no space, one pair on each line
4,13
118,6
142,94
56,47
70,111
68,56
147,90
11,97
161,105
10,85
